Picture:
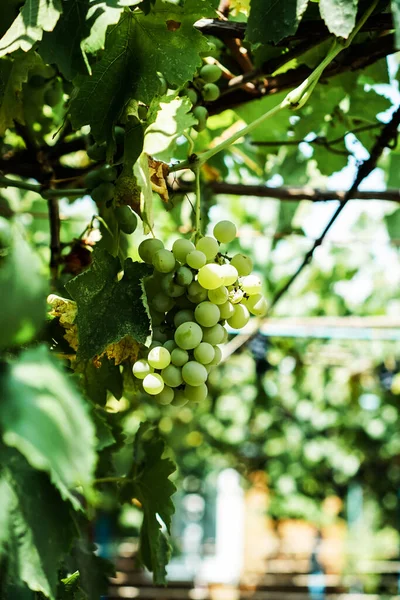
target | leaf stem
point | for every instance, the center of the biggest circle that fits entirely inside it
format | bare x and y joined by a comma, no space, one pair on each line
198,202
39,189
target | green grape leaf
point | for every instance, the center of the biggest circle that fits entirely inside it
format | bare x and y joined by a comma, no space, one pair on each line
108,309
71,27
82,29
148,42
13,74
36,16
330,160
38,525
271,21
104,433
395,5
393,170
152,487
22,292
365,105
172,119
94,571
339,16
45,418
97,380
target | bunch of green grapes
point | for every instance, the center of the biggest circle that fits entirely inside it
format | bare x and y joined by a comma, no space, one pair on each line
204,88
193,293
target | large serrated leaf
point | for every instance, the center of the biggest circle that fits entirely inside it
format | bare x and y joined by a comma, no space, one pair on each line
137,48
36,16
13,74
271,20
153,488
82,29
108,309
45,418
339,16
38,525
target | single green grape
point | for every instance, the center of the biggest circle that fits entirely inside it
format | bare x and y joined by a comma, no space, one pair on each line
103,193
141,368
210,92
194,373
163,261
179,357
229,274
207,314
188,335
126,218
201,114
148,248
183,316
166,396
179,398
224,337
196,259
226,310
159,358
210,277
153,384
184,276
192,95
97,152
217,355
162,303
243,264
108,173
209,246
210,73
172,376
213,335
92,179
204,353
181,248
240,317
257,305
196,393
196,292
219,295
225,231
251,285
170,345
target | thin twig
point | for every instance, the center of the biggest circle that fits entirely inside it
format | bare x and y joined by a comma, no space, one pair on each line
286,193
55,243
